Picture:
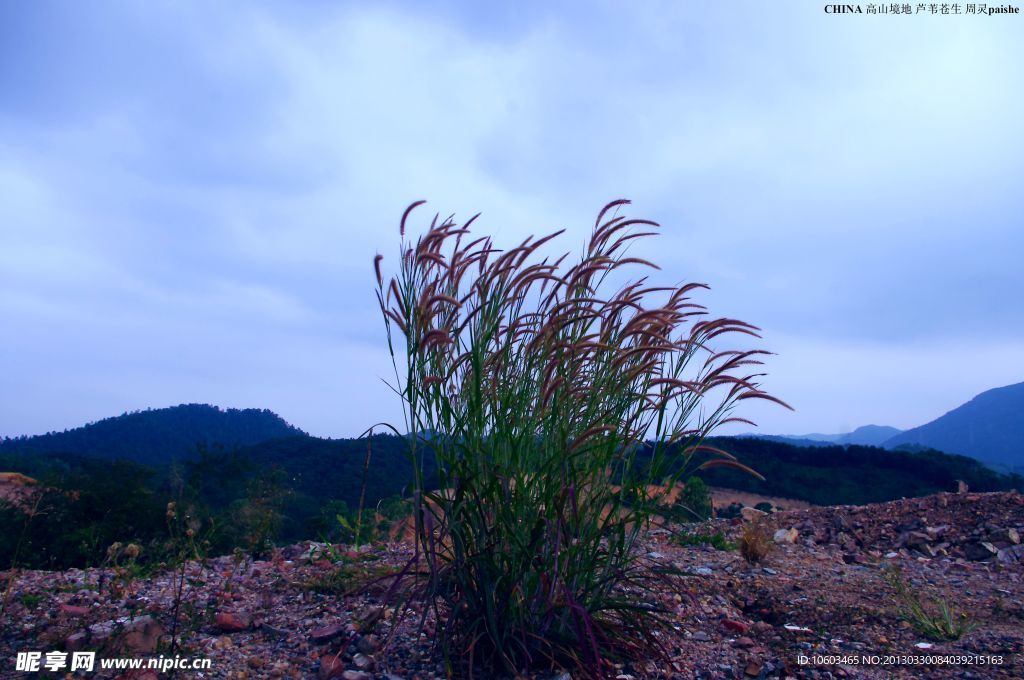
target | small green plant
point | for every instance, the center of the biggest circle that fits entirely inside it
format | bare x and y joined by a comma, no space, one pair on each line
32,600
765,506
717,540
361,529
348,578
356,531
334,582
755,543
939,621
551,401
185,545
694,502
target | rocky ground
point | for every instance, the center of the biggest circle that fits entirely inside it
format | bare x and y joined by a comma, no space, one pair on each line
820,594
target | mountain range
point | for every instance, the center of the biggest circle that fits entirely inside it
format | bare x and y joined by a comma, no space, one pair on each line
989,428
866,435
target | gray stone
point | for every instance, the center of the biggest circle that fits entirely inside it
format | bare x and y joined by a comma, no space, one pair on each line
273,632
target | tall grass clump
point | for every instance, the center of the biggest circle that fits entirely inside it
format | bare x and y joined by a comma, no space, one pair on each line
560,410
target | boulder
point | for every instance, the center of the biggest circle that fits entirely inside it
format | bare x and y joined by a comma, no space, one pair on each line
137,635
325,634
331,666
752,514
76,642
73,610
1004,538
368,644
786,536
914,540
356,675
735,626
980,550
744,643
364,662
1010,555
232,622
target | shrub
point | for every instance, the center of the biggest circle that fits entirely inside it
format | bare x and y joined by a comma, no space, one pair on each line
694,500
717,540
257,517
534,390
764,506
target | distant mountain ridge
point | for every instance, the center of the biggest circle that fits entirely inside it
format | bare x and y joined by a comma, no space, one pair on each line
869,435
866,435
159,436
989,427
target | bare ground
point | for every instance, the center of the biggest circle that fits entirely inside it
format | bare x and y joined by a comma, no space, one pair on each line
823,597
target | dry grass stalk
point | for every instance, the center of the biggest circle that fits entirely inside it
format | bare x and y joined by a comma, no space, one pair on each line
755,542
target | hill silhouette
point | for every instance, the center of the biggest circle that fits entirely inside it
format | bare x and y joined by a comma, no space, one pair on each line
159,436
989,427
868,435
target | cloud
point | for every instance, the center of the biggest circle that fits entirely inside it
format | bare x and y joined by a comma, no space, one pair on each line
190,196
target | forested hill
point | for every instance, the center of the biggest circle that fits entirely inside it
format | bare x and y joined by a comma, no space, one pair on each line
850,475
159,436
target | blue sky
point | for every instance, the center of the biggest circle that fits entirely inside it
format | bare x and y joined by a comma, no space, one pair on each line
191,194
